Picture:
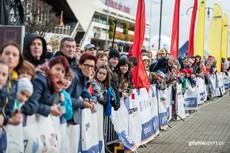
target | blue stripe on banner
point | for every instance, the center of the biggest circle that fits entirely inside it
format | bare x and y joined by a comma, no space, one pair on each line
168,113
97,148
126,140
191,102
202,96
163,118
149,128
226,86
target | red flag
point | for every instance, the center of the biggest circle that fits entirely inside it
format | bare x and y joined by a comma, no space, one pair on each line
192,28
175,30
140,78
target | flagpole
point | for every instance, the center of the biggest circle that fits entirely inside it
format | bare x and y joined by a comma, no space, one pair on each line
159,41
114,32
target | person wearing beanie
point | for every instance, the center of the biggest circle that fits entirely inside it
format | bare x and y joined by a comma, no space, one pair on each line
114,57
25,90
190,79
121,46
184,72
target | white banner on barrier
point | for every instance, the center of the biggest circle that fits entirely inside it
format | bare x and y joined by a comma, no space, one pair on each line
190,98
213,84
201,90
120,120
39,134
169,101
141,111
92,130
180,110
163,113
226,81
14,138
149,122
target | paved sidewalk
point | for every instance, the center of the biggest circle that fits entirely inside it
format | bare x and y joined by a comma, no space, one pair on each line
207,131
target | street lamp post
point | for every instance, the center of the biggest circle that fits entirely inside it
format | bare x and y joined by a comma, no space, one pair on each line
159,41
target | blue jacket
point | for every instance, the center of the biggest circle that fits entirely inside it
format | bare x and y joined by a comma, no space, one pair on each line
68,105
6,108
42,99
76,90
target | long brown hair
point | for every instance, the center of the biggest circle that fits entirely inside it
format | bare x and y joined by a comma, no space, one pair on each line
11,43
107,81
53,83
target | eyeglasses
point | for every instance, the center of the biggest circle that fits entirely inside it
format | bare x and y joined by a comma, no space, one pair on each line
101,73
89,66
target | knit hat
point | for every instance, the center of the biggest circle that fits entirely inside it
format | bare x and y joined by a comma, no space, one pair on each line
114,53
25,84
189,71
184,71
160,74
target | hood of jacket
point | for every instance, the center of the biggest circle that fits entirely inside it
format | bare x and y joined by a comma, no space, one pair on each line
26,49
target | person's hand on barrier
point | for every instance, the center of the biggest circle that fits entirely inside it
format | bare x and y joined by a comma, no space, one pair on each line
55,111
174,83
193,76
93,108
16,118
87,103
124,94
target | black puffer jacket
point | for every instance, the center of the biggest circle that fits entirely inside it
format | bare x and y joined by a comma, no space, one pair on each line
26,49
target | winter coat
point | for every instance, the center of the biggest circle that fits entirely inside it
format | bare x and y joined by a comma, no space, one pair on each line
7,97
72,61
42,99
68,105
98,91
76,90
161,64
26,49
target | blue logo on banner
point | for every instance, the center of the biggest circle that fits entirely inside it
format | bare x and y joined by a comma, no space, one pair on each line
153,91
202,96
97,148
191,102
125,139
149,128
163,118
126,102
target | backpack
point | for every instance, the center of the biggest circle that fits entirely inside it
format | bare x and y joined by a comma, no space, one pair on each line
114,98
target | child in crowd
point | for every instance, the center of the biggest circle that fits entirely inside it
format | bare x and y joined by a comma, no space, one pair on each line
182,79
27,70
161,83
4,73
66,103
189,77
101,83
25,90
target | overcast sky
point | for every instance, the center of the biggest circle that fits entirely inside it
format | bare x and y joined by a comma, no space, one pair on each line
168,6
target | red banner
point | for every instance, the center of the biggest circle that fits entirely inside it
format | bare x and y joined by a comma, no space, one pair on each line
192,29
140,78
175,30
